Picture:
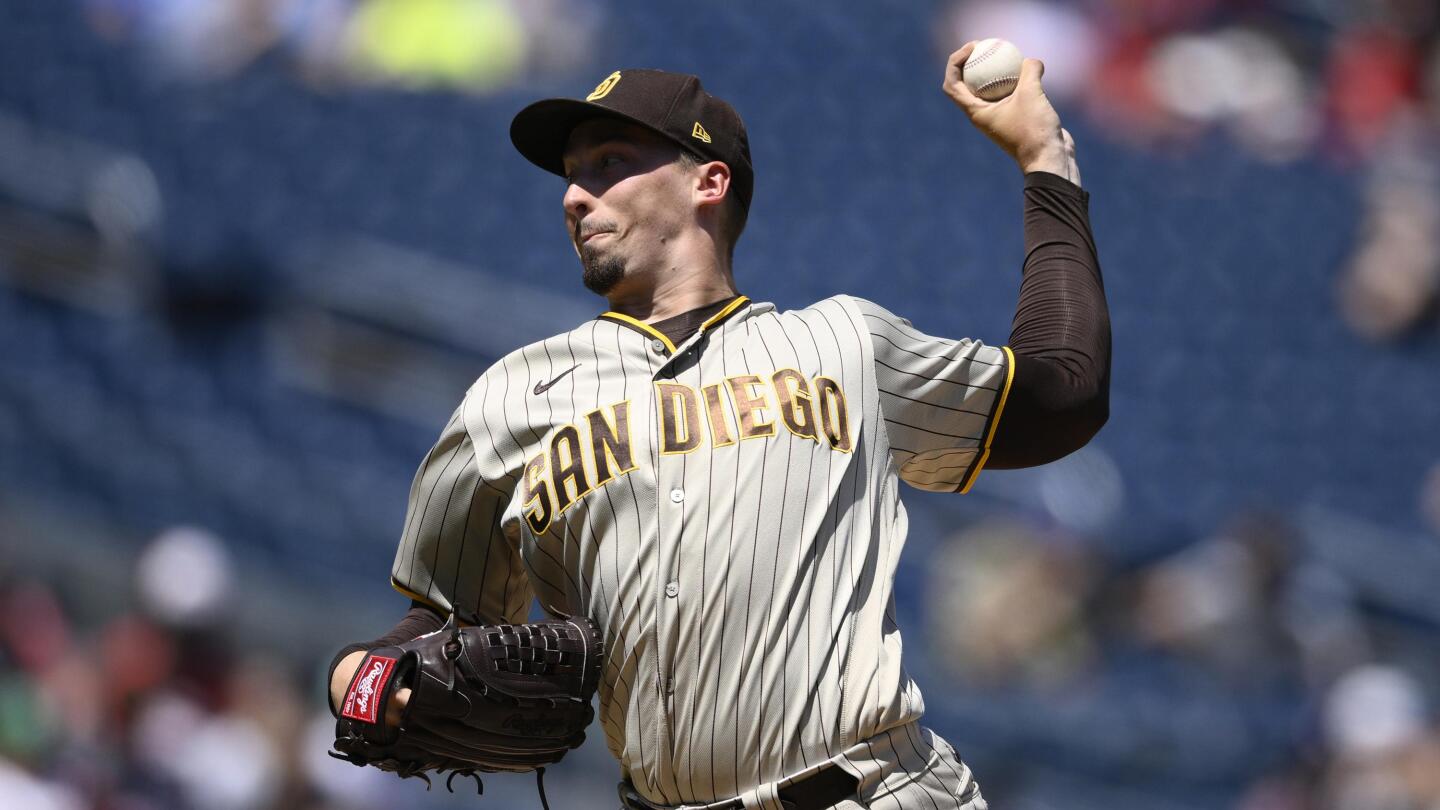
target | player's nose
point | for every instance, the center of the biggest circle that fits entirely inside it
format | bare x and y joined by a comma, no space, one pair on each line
578,202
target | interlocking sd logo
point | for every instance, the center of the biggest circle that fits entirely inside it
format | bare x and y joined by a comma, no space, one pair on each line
603,88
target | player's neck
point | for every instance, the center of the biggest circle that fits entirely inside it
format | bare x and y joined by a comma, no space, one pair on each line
674,290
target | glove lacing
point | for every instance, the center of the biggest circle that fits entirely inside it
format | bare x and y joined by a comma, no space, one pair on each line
452,651
406,770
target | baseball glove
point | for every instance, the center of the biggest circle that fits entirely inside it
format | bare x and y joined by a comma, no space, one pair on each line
508,697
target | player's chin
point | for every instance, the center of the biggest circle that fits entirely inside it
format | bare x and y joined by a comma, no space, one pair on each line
601,270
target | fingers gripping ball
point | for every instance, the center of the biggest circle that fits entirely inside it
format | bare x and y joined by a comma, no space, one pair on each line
993,69
483,698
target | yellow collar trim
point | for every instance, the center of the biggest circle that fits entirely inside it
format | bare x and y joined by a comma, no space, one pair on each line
725,313
636,323
642,326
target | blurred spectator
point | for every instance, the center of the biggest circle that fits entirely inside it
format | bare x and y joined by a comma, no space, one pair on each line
1391,283
472,45
1060,33
1373,77
1084,491
1240,79
1007,607
1385,757
1430,498
135,715
1372,712
1218,601
184,577
479,44
190,40
314,31
20,789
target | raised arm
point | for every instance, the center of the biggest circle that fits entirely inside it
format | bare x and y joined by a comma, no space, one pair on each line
1059,397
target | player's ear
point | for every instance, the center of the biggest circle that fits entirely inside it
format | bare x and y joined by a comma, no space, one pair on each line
712,183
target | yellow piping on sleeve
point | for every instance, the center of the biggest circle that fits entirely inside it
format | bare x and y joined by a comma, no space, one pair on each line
994,421
417,597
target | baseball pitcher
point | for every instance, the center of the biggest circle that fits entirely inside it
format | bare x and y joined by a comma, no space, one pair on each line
703,492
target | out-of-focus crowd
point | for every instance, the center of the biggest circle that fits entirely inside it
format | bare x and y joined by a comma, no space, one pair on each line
152,703
1248,663
1263,664
158,685
1332,86
1354,85
471,45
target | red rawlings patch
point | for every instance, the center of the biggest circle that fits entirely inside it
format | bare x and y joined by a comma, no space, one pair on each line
362,701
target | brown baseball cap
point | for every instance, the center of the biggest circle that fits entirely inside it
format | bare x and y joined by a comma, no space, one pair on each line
673,105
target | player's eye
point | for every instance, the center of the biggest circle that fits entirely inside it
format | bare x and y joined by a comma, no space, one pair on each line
606,161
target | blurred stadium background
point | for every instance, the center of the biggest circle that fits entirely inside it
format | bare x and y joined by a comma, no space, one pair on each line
252,252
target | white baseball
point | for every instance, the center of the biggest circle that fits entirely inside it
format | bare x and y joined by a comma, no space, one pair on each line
993,69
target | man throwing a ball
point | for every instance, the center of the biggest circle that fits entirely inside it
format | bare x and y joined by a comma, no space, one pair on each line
714,483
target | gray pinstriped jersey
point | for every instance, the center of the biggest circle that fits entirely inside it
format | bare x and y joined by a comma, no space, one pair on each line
728,511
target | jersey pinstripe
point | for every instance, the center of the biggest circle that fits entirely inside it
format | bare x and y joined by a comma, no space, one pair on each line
727,510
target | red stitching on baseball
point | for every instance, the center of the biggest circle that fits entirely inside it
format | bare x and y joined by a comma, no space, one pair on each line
996,82
989,52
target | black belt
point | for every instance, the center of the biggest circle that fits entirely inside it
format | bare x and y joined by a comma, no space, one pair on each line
818,791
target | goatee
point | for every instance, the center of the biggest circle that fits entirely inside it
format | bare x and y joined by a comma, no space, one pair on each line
602,273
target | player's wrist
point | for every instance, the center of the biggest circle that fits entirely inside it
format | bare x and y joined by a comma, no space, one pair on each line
340,677
1050,157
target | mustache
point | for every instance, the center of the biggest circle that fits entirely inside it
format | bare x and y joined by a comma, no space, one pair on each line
586,229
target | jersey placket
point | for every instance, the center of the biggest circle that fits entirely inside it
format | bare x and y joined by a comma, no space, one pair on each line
673,514
668,590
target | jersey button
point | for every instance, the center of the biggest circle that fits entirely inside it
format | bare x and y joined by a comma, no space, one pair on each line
657,346
672,590
677,495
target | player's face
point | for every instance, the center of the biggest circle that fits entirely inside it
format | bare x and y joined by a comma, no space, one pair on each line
626,201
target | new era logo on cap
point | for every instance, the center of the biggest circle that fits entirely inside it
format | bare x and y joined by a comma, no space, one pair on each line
670,104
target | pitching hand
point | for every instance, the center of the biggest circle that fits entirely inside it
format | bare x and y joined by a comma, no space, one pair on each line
1024,124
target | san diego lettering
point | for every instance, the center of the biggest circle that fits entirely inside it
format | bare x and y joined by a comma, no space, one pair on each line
583,457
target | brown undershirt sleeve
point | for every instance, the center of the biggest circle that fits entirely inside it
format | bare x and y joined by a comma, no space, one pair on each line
418,621
1060,395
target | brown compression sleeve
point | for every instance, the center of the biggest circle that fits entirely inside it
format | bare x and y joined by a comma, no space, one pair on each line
1060,396
418,621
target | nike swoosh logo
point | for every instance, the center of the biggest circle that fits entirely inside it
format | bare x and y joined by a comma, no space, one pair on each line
542,386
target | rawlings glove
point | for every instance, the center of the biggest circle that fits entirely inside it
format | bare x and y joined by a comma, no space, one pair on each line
508,697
